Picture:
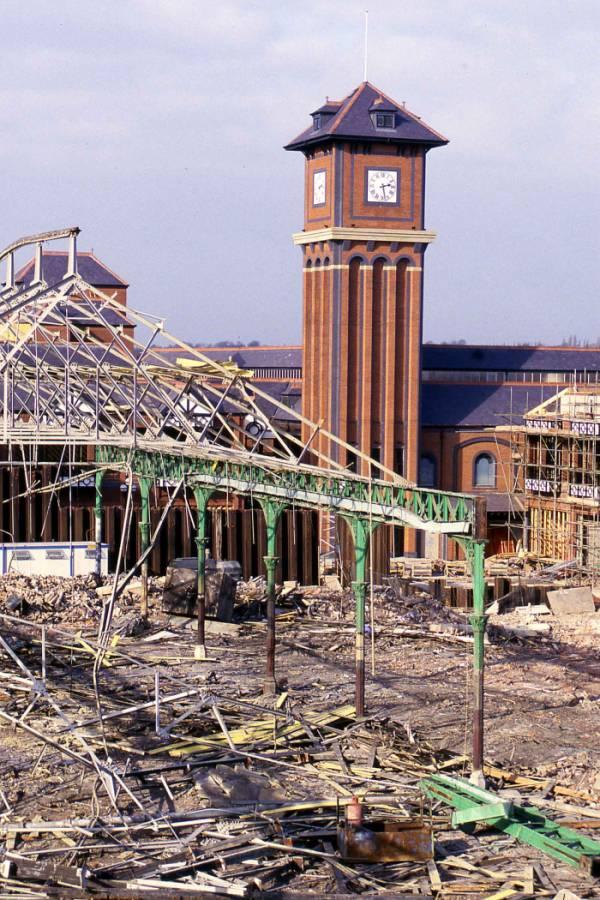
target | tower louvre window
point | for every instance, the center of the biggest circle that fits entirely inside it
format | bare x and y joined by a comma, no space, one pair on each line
385,120
316,122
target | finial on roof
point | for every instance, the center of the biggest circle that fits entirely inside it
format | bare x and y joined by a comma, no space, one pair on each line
366,43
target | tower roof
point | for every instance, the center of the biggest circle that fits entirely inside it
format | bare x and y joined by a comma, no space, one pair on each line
354,119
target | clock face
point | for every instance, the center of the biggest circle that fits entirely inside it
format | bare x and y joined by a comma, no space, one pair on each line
382,186
319,188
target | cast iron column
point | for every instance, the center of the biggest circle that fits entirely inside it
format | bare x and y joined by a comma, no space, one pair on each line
145,486
272,510
478,621
202,496
361,530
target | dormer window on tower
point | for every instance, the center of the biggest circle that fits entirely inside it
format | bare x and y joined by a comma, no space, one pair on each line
385,120
383,114
323,115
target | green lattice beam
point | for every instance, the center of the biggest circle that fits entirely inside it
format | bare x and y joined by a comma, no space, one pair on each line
305,486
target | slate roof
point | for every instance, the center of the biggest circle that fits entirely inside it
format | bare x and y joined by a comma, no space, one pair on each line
479,405
450,357
249,357
283,391
54,268
498,358
330,106
112,317
51,356
352,121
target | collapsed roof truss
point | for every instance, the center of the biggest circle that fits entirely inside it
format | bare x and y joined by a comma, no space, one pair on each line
78,367
73,369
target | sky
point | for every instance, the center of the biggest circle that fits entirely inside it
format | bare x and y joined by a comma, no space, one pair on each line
157,126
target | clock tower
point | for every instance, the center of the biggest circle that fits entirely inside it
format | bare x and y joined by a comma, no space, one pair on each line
363,244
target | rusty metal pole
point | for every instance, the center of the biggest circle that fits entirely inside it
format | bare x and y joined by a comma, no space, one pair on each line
360,590
98,522
201,545
478,622
270,683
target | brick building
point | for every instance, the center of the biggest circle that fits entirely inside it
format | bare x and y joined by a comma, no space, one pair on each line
52,267
474,401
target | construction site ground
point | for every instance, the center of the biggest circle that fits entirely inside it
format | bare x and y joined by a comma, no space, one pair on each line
213,794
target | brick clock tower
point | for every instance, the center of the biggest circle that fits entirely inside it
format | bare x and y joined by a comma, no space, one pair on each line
363,245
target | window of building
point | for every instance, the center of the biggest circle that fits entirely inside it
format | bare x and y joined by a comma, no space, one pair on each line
22,554
56,554
351,461
399,460
385,120
484,471
427,471
376,455
316,122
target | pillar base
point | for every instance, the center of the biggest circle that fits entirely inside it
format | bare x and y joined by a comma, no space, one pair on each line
477,778
269,687
200,651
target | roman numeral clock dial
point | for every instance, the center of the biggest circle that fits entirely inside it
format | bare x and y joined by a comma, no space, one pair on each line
382,186
319,188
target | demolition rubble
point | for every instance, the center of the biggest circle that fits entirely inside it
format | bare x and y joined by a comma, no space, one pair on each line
129,768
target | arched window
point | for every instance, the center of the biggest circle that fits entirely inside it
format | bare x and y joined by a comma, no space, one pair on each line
484,471
427,471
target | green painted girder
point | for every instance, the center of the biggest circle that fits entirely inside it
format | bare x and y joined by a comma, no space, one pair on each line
304,486
525,823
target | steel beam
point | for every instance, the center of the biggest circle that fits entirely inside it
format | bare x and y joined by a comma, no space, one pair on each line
525,823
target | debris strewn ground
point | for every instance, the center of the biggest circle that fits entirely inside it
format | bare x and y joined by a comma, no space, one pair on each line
218,789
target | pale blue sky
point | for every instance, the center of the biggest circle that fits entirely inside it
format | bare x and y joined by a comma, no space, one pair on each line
158,125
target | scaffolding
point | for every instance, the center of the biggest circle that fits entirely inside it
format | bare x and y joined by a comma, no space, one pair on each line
558,450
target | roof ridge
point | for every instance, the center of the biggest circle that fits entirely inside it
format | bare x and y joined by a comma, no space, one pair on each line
66,253
341,113
232,347
511,346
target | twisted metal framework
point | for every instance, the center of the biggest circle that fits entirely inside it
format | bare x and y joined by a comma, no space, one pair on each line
80,369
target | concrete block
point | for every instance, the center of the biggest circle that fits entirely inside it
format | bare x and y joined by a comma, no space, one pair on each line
332,583
572,601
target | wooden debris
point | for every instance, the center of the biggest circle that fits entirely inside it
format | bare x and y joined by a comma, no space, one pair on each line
213,790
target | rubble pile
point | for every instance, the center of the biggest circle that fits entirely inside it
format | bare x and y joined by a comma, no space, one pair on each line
129,768
49,599
390,607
